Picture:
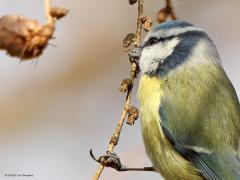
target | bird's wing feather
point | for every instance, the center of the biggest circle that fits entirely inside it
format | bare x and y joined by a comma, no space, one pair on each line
200,108
213,165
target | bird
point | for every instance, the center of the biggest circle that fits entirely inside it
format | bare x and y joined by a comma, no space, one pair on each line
189,109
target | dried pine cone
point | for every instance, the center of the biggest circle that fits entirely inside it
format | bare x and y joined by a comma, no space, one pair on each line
125,85
129,39
147,23
132,115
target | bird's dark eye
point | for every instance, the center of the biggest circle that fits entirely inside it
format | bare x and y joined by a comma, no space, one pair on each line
152,41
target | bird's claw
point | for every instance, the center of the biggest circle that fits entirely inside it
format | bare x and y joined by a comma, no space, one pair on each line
110,160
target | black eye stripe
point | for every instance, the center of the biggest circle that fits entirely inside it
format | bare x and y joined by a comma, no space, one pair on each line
152,41
155,40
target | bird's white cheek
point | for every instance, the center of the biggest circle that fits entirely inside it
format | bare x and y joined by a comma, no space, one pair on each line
147,63
152,55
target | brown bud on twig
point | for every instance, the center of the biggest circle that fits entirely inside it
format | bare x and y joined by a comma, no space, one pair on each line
147,23
58,13
129,39
132,2
132,115
166,12
162,15
126,84
173,15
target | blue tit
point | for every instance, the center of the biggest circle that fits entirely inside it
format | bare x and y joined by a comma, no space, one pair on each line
188,107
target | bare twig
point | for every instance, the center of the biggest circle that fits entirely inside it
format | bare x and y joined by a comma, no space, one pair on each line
133,74
49,18
127,84
172,13
115,137
139,22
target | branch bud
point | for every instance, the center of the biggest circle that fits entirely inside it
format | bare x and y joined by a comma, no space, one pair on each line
125,85
132,2
129,39
163,15
147,23
132,115
58,13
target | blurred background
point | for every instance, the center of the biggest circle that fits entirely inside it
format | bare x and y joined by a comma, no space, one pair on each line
53,112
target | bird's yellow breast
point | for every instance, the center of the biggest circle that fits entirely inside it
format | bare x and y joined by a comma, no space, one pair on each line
150,93
162,154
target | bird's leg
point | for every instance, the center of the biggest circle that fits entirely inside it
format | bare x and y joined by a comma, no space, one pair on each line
140,169
113,161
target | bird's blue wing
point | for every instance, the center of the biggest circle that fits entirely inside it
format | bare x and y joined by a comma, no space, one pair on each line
212,165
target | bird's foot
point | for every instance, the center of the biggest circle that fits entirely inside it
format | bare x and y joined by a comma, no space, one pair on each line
110,160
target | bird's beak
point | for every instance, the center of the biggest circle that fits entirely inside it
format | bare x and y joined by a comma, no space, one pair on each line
135,53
